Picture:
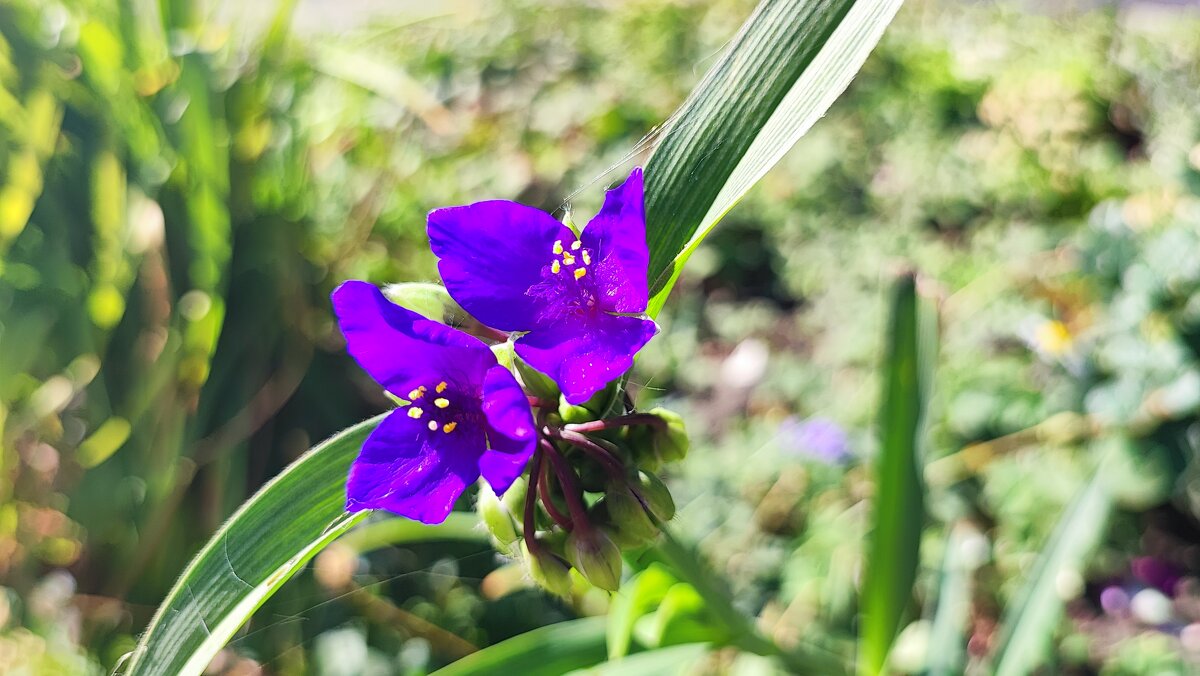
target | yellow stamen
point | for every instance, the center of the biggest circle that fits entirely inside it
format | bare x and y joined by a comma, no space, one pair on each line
587,257
417,393
449,427
575,245
580,272
558,246
432,425
441,402
441,387
415,412
568,259
556,267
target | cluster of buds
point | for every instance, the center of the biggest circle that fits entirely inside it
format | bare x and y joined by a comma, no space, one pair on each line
592,490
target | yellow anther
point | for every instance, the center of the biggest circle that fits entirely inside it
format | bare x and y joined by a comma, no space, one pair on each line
556,267
580,272
558,246
575,245
416,412
441,387
441,402
449,427
568,259
587,257
416,393
432,425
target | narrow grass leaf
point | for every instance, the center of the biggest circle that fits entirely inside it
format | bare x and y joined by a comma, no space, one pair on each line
782,71
266,541
898,513
1032,618
549,651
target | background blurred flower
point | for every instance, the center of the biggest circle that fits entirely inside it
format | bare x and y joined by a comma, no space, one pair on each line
817,438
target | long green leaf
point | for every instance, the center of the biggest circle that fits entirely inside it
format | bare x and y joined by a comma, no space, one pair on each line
947,639
782,71
899,505
1030,621
267,540
679,659
548,651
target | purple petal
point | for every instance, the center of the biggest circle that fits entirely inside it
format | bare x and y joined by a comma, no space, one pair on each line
511,433
406,469
585,355
617,238
400,348
490,254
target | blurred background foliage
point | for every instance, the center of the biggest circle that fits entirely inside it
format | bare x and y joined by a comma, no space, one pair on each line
181,186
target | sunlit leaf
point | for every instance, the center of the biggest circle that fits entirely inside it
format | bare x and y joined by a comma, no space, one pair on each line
786,66
262,545
548,651
1030,621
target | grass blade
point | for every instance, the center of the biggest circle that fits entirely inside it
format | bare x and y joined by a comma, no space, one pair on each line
549,651
782,71
948,637
899,505
679,659
1030,621
266,541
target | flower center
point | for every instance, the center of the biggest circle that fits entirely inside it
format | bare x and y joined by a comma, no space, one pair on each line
574,261
566,288
436,408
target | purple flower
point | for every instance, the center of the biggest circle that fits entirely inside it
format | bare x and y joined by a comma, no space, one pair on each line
515,268
467,416
818,438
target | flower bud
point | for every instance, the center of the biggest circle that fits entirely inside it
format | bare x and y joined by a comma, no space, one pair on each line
574,414
496,518
536,383
548,571
596,557
658,444
627,514
514,497
657,496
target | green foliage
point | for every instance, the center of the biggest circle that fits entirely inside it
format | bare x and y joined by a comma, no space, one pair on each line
898,514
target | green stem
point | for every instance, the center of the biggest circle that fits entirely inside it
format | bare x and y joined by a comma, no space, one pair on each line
686,563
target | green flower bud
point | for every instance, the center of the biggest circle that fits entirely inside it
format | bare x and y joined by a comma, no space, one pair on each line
548,571
496,518
574,414
655,444
535,382
657,496
596,557
671,443
505,353
514,497
628,515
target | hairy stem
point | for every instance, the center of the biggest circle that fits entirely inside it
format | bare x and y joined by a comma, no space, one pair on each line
570,486
529,525
561,519
610,462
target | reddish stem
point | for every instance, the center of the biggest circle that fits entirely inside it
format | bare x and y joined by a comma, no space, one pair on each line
610,462
570,486
529,525
619,421
561,519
